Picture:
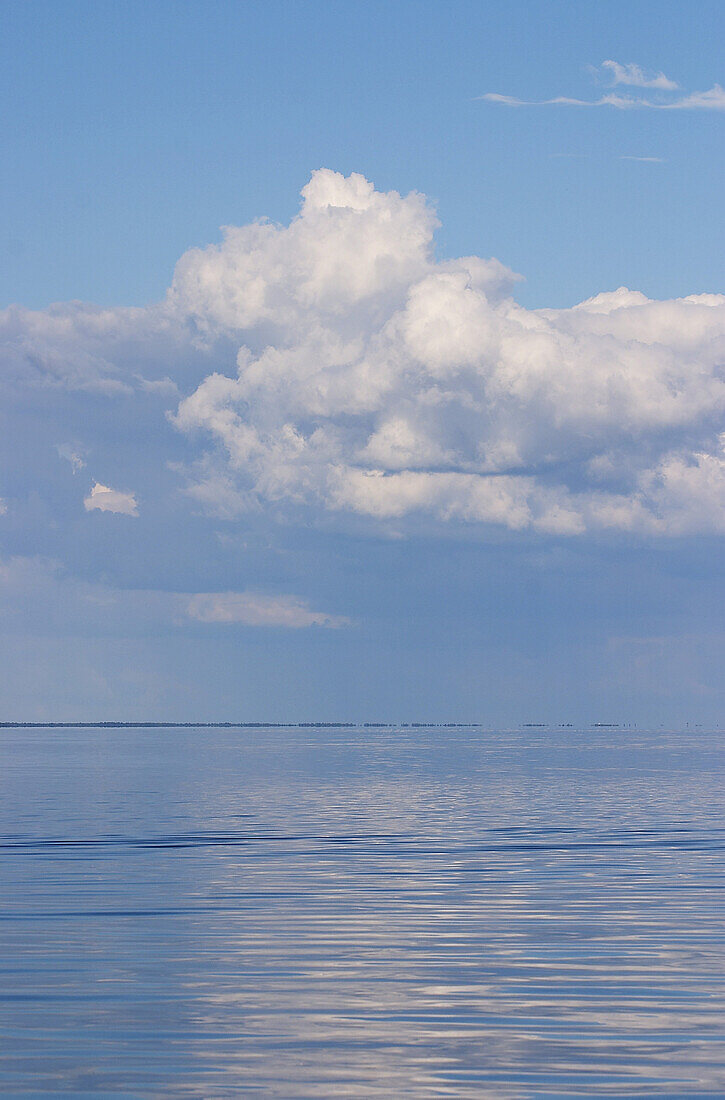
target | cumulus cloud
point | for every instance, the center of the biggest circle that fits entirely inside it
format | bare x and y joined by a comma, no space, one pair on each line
630,76
339,369
253,609
298,275
103,499
373,380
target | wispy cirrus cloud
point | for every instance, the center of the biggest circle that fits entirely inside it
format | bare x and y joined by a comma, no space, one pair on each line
622,156
635,77
628,76
711,100
612,99
72,453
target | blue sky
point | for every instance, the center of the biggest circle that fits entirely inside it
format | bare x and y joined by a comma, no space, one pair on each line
337,471
133,131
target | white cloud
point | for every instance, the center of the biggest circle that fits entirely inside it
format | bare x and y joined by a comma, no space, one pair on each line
712,100
72,453
164,387
611,99
405,385
374,381
643,160
39,591
296,275
636,77
77,346
254,609
629,75
506,100
103,499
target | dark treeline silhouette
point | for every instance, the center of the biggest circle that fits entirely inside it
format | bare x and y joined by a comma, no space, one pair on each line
236,725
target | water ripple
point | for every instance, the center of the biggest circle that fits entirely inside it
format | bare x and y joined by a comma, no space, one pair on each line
332,913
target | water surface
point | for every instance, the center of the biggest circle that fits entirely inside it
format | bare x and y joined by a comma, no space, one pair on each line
361,913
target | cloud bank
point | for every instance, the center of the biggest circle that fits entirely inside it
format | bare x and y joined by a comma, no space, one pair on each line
338,369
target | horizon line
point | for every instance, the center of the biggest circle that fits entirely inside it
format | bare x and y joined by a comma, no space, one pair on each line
112,724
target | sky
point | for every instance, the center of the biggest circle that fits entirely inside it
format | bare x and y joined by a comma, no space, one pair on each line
362,362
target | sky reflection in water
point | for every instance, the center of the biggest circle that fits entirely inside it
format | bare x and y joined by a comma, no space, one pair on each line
380,913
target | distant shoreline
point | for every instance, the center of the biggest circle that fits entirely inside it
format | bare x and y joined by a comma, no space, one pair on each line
304,725
237,725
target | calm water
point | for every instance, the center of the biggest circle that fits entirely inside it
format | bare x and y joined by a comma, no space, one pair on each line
362,913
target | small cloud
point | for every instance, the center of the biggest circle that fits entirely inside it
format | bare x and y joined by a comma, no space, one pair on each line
611,99
644,160
3,507
103,499
507,100
162,386
253,609
72,453
635,77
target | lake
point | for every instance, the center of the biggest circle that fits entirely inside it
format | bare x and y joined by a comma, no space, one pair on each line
362,912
